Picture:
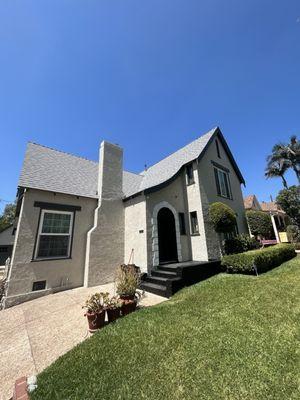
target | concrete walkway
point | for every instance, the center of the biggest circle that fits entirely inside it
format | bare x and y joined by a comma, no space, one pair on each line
36,333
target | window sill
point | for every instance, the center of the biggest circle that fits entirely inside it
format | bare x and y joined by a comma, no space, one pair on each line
224,197
195,234
190,183
51,259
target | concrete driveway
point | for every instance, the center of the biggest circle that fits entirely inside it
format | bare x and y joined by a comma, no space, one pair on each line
36,333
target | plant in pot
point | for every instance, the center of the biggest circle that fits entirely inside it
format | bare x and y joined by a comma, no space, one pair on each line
95,311
127,282
113,307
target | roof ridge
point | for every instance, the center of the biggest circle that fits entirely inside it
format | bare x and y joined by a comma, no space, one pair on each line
174,152
63,152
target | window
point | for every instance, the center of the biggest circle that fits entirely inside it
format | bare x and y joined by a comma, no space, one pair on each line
194,223
3,249
189,174
223,183
182,224
38,285
54,235
218,149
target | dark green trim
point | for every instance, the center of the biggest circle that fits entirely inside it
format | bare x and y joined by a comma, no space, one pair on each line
215,164
56,206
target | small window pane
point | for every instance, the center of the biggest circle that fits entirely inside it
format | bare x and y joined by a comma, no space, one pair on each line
182,224
38,285
189,174
53,246
194,222
56,223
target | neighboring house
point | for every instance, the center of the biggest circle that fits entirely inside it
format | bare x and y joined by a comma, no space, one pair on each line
6,244
79,219
278,216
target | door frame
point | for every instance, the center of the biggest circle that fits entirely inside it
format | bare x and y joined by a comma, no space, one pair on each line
155,248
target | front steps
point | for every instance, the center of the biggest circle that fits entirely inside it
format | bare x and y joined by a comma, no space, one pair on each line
167,279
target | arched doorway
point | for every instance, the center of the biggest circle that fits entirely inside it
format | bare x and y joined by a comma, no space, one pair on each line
167,243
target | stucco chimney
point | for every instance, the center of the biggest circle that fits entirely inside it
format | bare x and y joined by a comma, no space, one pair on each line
105,241
110,178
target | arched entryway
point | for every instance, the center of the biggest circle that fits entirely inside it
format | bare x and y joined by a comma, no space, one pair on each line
167,243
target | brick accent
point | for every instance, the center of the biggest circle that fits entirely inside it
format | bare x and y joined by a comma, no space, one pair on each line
20,389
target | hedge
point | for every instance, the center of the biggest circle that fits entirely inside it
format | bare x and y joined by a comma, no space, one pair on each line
264,259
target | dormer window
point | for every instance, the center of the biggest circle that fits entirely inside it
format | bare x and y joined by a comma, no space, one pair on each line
189,174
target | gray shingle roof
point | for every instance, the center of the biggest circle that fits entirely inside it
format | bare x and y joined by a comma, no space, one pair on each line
48,169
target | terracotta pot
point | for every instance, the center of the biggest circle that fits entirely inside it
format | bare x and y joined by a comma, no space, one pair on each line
95,320
128,306
127,296
113,314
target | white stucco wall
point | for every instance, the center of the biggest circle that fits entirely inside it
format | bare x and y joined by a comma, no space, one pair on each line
136,231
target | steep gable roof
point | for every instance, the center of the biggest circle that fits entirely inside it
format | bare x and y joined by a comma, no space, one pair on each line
48,169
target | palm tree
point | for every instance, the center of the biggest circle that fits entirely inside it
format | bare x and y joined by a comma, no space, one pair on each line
286,156
277,169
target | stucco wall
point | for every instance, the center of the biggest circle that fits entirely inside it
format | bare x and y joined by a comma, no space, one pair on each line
105,241
136,231
69,272
209,194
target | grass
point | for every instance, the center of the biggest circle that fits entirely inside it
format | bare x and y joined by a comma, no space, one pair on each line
230,337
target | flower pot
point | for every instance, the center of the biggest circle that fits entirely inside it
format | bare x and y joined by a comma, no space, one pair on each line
128,306
113,314
127,296
95,320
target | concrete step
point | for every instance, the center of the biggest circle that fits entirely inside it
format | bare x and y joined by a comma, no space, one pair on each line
154,288
164,274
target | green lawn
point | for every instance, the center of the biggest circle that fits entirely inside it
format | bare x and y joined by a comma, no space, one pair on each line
230,337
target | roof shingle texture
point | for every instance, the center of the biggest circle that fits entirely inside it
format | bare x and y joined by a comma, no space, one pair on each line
48,169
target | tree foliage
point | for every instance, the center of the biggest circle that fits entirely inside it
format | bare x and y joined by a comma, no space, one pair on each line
222,217
260,223
289,201
8,216
284,156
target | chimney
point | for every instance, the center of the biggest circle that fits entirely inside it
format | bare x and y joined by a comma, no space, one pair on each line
110,180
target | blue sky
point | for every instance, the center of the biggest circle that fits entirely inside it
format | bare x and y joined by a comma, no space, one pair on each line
150,75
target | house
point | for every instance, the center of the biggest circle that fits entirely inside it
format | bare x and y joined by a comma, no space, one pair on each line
278,217
6,244
78,219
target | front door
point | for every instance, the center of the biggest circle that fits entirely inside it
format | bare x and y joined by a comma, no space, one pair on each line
167,243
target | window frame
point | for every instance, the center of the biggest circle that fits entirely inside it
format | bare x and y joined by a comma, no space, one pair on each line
218,183
190,180
194,232
40,233
182,224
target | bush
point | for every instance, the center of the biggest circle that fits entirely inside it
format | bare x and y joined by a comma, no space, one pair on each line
240,243
222,217
293,233
297,246
264,259
260,223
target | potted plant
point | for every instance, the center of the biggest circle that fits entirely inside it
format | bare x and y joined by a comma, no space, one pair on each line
113,308
127,282
95,306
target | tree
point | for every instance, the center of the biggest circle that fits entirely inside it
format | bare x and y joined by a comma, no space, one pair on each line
277,169
8,216
286,156
289,201
260,223
222,217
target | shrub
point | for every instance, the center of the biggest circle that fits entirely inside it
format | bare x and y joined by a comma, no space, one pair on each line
293,233
263,259
240,243
222,217
127,279
297,246
260,223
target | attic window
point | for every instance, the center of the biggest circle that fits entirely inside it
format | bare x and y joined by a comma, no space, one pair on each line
189,174
218,149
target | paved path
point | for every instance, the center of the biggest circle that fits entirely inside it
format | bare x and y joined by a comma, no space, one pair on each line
36,333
